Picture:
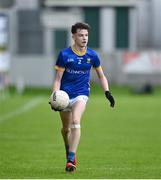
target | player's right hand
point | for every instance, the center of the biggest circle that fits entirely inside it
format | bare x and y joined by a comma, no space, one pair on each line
52,107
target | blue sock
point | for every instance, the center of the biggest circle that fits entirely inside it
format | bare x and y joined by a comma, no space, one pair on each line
71,156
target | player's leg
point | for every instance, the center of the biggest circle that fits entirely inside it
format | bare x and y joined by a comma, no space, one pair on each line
74,138
66,117
77,112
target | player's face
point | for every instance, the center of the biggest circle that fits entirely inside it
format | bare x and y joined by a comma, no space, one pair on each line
81,37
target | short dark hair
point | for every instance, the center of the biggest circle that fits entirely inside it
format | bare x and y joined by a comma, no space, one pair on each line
80,25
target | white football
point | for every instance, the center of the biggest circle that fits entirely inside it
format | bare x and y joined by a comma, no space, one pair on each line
59,100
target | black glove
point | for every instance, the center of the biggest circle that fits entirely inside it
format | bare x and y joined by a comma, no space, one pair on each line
52,107
110,98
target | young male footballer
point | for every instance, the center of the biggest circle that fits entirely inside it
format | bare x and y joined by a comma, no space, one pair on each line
72,76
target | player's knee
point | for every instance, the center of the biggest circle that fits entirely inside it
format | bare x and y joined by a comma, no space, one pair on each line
65,130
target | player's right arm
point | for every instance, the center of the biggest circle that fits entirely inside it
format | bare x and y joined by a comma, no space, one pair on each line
57,80
57,83
59,70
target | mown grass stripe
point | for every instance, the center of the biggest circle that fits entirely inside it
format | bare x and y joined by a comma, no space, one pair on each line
26,107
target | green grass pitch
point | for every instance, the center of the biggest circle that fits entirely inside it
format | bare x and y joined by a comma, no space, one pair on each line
124,142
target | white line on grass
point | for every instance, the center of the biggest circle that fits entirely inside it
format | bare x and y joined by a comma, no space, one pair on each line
26,107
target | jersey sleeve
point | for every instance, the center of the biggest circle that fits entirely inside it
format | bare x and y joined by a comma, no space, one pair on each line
60,64
96,62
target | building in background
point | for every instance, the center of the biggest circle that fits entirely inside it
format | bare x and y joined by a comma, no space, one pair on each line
4,55
38,29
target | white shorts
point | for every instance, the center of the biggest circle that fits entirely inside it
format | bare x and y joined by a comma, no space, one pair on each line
74,100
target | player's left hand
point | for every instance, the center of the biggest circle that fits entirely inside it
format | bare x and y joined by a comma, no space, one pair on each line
110,98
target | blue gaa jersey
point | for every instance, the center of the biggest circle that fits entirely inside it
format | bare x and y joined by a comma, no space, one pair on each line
76,68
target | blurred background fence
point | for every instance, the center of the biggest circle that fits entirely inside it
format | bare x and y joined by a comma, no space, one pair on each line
125,33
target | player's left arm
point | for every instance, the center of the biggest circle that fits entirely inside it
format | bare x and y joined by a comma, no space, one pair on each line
105,85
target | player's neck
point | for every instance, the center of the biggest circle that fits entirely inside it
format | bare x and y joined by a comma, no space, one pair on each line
79,49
